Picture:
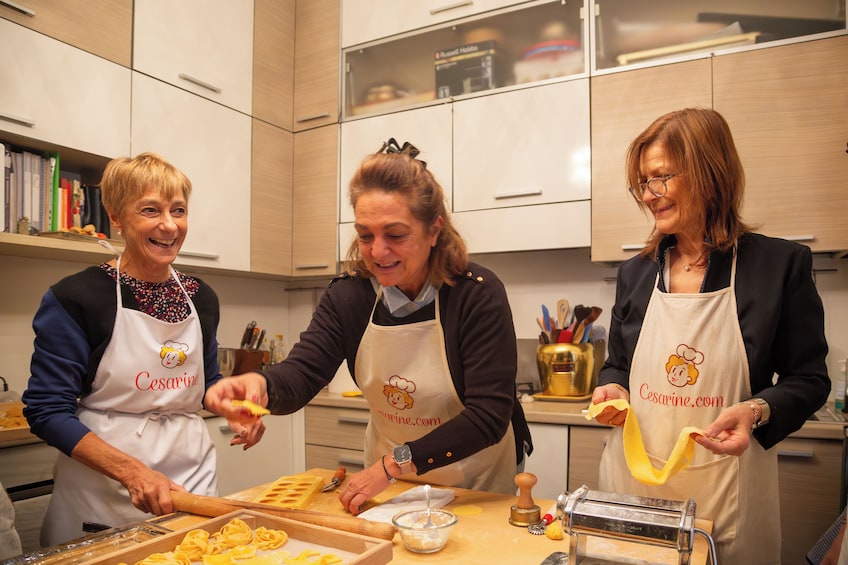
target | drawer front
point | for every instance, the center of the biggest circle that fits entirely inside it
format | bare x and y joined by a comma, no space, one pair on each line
26,464
322,457
584,458
336,427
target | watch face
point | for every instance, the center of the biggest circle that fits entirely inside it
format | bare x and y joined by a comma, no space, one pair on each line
402,454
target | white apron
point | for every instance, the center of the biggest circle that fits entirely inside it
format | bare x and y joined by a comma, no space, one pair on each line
689,364
144,398
403,373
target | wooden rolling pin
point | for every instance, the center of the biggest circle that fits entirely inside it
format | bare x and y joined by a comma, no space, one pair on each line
212,507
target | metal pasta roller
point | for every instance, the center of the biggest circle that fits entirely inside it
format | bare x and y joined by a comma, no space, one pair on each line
654,521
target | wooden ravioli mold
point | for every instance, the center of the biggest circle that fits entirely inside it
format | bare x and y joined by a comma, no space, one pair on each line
294,491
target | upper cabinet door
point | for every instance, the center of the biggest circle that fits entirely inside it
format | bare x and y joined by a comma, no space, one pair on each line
624,104
203,46
787,107
316,64
211,145
522,147
101,27
429,129
62,95
367,20
273,62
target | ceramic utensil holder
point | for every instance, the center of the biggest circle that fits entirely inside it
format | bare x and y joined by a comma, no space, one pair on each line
566,369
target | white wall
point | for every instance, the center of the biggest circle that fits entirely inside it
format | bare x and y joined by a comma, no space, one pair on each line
531,279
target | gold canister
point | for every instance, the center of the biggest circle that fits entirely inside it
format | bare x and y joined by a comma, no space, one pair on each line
566,369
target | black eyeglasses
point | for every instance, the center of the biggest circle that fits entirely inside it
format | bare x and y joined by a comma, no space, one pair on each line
658,186
392,146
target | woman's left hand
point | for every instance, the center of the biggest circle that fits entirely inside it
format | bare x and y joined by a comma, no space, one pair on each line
730,433
247,434
362,487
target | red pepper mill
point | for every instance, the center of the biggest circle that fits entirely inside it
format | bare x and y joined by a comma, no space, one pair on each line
525,512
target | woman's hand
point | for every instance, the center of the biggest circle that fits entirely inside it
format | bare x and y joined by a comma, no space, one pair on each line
730,433
249,386
247,434
610,416
363,486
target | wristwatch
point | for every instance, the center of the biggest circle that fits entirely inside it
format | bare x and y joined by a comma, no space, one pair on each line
403,457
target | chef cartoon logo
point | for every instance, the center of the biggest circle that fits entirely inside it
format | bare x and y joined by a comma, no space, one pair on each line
398,392
681,368
173,354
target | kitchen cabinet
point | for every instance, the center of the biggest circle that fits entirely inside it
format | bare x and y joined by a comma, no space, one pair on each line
644,32
549,460
210,143
273,61
266,461
271,199
202,46
90,115
399,72
809,473
100,27
428,129
787,107
335,436
316,64
585,446
367,20
315,215
624,104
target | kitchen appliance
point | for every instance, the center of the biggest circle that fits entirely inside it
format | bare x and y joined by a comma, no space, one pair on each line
566,370
653,521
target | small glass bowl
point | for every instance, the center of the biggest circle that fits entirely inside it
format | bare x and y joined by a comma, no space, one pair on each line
420,539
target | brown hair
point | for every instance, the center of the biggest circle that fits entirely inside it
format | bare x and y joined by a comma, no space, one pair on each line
126,179
401,174
700,149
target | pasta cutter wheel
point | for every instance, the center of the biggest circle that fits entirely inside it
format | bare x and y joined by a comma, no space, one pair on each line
538,529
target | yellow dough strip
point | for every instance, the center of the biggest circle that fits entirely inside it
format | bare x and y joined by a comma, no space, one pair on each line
634,447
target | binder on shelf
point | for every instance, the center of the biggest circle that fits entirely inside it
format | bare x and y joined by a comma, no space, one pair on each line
7,185
55,206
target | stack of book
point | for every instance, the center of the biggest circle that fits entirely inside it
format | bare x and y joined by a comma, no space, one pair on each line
39,197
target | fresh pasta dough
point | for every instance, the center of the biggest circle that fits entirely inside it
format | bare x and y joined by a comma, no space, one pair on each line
634,447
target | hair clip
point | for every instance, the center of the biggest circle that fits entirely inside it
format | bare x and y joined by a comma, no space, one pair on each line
391,146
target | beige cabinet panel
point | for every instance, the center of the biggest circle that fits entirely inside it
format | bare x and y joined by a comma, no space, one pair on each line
336,427
322,457
810,471
788,108
549,460
585,446
203,46
315,214
624,104
90,115
271,200
316,64
210,143
268,460
101,27
273,61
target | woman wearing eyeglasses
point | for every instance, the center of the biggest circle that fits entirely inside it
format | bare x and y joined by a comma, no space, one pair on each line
704,318
428,338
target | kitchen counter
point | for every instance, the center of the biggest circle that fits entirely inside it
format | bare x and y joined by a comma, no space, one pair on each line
485,536
570,414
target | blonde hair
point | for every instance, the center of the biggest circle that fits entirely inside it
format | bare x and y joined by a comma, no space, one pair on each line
126,179
700,148
401,174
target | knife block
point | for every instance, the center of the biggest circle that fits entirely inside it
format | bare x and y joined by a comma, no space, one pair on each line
248,361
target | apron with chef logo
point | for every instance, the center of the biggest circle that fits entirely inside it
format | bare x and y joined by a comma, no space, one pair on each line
403,373
690,364
144,398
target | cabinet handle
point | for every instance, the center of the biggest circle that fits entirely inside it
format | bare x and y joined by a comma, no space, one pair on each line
352,420
807,454
798,237
225,428
518,194
313,117
312,266
200,83
198,255
449,7
17,120
17,7
632,246
359,461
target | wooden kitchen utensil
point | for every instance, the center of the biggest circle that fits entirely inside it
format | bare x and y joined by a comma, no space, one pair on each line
213,507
